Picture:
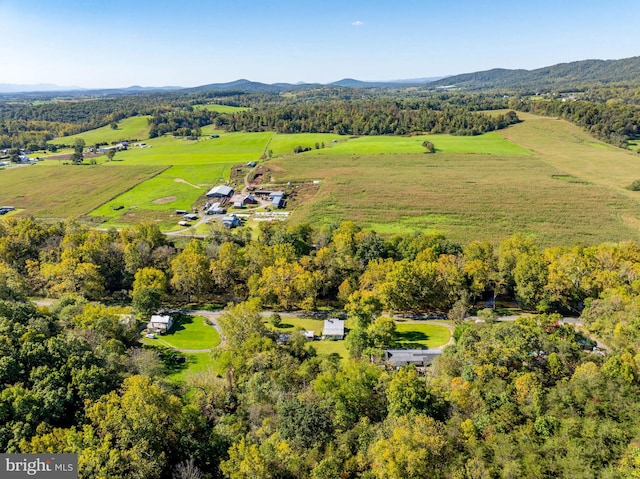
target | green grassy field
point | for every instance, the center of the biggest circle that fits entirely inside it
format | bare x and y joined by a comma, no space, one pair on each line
221,108
169,150
133,128
481,196
194,364
489,144
188,332
68,191
414,335
197,166
410,334
544,177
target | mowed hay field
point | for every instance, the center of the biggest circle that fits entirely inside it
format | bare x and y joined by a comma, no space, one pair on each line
566,188
133,128
67,191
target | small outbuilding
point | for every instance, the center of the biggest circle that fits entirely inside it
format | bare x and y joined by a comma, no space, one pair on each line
249,200
216,209
220,191
159,324
333,329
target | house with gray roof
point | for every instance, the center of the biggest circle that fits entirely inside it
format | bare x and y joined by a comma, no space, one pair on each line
417,357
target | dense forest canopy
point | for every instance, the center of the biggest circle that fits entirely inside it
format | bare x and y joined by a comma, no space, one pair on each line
507,399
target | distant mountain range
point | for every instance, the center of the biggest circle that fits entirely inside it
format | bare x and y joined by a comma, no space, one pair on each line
560,76
49,88
15,88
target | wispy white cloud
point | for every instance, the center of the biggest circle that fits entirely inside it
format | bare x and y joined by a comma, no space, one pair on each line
357,23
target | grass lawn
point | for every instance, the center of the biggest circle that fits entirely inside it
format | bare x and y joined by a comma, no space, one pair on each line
410,334
421,335
132,128
329,347
188,332
194,363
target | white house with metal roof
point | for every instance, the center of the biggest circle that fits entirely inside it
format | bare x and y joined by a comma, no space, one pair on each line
333,329
159,324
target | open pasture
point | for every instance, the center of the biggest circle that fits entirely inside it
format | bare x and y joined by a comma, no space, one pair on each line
489,144
170,150
132,128
221,108
481,196
68,191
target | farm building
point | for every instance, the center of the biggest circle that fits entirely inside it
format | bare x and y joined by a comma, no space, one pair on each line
251,164
220,191
231,221
216,209
333,329
160,324
190,217
277,202
249,200
417,357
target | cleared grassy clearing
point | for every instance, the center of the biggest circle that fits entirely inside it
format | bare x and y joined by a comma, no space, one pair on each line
486,197
194,364
68,191
132,128
573,151
188,332
221,108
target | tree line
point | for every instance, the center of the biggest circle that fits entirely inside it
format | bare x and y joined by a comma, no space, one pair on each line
614,123
300,268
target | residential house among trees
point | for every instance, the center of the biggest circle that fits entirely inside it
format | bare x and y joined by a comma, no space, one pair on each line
160,324
333,329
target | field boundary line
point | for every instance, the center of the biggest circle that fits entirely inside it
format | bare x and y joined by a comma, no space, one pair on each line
129,189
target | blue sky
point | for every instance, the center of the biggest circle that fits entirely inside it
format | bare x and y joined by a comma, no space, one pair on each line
116,43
